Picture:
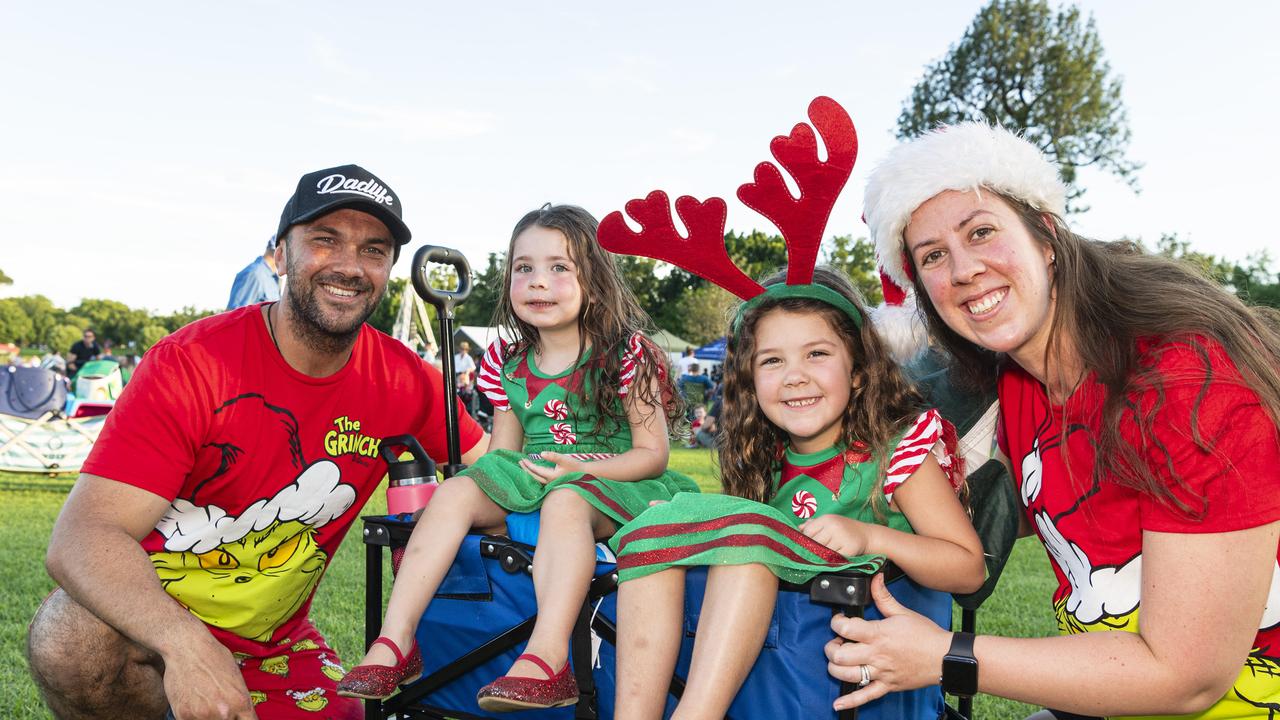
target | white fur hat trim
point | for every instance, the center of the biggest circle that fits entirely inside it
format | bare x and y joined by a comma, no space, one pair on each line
968,156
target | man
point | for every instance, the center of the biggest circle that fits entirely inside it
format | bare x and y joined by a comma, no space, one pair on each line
695,387
464,371
681,366
226,476
464,365
82,351
707,435
258,281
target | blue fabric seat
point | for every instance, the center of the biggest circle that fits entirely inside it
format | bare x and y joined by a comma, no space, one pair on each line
480,619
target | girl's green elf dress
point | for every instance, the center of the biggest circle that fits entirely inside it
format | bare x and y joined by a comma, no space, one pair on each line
552,411
696,530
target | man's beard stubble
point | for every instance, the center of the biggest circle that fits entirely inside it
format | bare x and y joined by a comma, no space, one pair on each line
313,328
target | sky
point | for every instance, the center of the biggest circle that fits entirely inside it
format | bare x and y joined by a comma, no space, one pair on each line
149,147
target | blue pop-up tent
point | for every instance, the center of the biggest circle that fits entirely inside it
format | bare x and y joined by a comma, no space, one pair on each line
713,350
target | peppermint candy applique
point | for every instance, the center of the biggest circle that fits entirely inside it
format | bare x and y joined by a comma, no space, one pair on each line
804,504
562,434
556,409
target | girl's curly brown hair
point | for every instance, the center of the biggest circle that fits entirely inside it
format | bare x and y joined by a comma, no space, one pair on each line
609,316
881,404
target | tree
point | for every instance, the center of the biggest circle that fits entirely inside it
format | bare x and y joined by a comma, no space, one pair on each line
857,259
15,326
152,333
64,336
44,318
486,290
705,313
384,316
756,253
1040,72
177,320
5,279
1255,283
1212,267
113,320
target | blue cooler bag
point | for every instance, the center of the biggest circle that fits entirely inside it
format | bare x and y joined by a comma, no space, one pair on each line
486,593
479,600
790,677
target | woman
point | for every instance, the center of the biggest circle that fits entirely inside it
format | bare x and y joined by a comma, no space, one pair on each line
1139,409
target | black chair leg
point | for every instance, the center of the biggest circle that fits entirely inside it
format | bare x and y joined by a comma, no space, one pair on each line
969,624
847,687
580,649
372,613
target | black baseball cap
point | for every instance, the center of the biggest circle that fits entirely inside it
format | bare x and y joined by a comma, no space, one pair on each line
346,186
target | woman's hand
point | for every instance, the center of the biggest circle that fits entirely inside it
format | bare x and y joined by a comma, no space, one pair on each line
901,652
847,537
563,465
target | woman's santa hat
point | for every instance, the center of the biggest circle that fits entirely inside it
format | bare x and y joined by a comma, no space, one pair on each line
899,324
968,156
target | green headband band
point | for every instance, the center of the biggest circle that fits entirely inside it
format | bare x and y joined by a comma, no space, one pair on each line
821,293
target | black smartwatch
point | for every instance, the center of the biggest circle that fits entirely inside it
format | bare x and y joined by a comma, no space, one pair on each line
960,667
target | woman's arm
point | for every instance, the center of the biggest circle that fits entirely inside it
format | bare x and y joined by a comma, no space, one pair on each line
1203,596
944,552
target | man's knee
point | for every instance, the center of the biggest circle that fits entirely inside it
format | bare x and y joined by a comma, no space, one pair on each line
78,660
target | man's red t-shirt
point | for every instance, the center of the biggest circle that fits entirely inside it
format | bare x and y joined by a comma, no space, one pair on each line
1093,530
265,468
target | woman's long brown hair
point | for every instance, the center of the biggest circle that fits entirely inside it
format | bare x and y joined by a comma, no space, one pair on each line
881,404
608,318
1109,296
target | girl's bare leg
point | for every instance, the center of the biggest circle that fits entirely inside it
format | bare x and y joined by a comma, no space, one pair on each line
562,570
734,620
456,507
650,616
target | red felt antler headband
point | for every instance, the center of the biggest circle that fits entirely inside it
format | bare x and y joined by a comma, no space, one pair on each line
802,220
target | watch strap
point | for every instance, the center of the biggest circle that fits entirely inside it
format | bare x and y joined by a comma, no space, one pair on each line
961,644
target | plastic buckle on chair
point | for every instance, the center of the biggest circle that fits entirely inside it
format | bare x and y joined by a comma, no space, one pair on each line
841,590
511,557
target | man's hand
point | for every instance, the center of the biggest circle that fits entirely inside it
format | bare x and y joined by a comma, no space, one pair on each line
202,682
563,465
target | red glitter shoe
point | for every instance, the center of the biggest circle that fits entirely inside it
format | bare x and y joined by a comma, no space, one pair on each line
378,682
521,693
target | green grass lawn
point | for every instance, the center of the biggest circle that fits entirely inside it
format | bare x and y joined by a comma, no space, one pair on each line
29,504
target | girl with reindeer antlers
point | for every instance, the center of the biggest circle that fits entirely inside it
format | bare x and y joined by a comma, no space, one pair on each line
828,459
584,405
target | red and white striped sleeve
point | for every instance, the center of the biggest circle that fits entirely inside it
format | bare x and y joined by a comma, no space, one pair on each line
638,348
928,434
489,379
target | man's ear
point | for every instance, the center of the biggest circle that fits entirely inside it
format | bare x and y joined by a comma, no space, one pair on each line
281,253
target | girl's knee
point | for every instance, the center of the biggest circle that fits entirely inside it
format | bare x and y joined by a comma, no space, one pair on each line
455,494
461,498
564,500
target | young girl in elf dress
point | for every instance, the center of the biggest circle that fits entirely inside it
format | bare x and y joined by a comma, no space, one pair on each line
584,403
826,457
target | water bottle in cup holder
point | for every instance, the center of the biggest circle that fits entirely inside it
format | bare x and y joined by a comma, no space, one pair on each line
410,482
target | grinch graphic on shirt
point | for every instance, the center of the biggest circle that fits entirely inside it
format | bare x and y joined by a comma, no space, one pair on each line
249,572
